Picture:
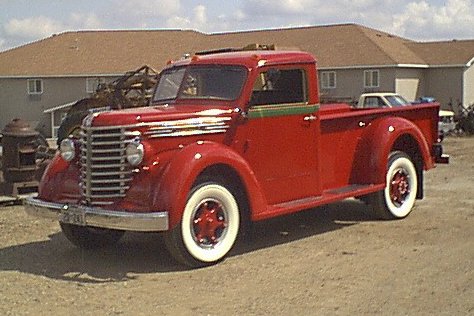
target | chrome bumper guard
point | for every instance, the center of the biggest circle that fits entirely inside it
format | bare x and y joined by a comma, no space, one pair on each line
97,217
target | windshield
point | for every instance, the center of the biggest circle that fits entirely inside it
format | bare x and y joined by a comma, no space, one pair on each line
396,100
201,82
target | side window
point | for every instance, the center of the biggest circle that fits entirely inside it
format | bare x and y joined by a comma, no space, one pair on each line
374,102
328,80
169,83
35,86
371,78
280,86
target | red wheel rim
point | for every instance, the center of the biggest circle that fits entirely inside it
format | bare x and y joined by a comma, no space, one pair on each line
400,187
209,223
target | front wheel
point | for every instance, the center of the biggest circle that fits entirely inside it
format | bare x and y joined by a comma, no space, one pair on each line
397,200
209,226
90,237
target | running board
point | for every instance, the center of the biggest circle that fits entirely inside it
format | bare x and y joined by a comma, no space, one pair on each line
328,196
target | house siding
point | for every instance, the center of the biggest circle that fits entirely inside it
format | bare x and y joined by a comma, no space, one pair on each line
350,83
16,102
387,80
446,85
468,86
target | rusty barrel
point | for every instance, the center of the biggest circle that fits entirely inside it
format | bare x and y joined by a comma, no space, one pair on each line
19,152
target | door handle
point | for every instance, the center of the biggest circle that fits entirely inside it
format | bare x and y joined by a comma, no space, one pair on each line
309,118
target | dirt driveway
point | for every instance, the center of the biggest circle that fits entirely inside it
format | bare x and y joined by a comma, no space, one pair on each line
325,261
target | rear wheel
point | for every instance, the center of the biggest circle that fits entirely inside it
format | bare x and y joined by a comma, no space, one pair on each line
90,237
209,226
398,198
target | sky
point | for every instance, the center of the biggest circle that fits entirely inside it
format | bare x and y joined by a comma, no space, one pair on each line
25,21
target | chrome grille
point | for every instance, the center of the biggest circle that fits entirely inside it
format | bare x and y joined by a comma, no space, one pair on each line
105,174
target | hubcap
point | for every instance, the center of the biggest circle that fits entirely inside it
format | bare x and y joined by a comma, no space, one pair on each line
399,187
209,223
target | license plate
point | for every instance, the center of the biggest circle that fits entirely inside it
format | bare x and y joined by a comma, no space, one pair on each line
73,216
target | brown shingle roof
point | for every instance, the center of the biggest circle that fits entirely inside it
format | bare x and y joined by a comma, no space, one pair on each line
445,53
334,45
96,52
114,52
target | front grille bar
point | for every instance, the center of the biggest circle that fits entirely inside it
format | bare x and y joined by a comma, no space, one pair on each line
104,172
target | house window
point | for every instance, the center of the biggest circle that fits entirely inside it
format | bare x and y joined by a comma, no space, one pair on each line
35,86
328,80
371,79
92,84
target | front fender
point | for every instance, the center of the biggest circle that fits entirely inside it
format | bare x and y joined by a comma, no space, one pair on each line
59,182
187,164
376,143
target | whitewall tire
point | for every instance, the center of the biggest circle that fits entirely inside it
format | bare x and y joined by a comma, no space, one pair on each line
398,198
209,226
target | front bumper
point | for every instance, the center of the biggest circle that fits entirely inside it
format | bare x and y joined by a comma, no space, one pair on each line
97,217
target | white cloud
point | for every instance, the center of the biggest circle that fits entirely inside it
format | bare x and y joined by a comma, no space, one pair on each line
148,8
40,26
277,7
421,20
34,27
239,15
282,13
416,19
318,9
197,21
178,22
17,31
86,21
200,16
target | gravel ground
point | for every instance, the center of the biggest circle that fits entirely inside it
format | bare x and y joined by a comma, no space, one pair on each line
333,260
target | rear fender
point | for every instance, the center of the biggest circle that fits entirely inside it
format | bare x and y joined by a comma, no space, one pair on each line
380,138
184,168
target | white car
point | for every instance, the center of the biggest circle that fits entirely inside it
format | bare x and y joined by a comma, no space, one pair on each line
381,99
446,122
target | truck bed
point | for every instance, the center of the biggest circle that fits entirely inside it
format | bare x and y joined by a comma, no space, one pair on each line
342,127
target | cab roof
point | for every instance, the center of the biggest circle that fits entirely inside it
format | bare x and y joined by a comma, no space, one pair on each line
249,59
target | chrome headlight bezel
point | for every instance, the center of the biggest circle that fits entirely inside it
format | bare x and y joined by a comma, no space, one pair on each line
134,153
67,149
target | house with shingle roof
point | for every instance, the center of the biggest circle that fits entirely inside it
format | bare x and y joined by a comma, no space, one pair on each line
352,59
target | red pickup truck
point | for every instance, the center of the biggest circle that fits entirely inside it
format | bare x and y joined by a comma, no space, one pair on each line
230,138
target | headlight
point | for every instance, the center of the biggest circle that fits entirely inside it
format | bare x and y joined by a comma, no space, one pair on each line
68,152
134,153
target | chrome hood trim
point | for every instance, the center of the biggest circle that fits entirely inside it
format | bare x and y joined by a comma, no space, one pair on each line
188,127
173,128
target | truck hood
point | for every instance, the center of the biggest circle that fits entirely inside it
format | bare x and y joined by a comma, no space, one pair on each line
162,113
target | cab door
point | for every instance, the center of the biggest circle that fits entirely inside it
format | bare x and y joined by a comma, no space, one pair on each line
281,143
